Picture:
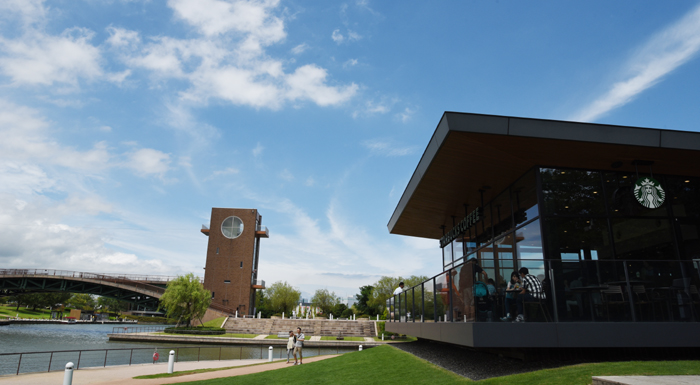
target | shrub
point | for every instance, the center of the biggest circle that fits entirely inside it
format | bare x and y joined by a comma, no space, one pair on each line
200,330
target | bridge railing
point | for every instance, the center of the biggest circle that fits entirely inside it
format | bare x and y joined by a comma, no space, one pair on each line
79,274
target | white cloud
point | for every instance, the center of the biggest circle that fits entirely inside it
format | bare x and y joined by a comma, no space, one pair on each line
300,48
405,115
29,11
386,148
45,60
286,175
147,161
105,128
310,181
120,37
337,36
658,57
220,173
309,82
257,151
350,63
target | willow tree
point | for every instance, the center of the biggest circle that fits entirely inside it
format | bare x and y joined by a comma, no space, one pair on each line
185,299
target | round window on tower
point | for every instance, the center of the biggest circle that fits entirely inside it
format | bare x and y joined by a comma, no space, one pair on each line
232,227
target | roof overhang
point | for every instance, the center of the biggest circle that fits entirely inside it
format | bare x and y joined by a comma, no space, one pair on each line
469,151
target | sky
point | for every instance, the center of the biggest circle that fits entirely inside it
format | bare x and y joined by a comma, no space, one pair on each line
123,122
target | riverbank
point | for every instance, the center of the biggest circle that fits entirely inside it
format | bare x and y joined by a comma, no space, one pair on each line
35,321
311,342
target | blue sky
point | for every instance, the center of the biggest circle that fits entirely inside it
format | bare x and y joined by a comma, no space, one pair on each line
123,122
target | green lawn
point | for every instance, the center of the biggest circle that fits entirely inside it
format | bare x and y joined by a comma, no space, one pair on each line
328,338
382,364
215,323
234,335
581,374
388,364
26,313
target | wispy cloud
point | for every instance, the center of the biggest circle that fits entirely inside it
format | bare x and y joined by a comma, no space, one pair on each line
387,148
659,56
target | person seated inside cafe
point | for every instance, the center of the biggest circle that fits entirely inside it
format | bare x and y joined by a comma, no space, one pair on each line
512,290
531,291
491,286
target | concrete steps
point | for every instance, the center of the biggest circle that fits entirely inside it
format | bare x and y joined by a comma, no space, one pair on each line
308,327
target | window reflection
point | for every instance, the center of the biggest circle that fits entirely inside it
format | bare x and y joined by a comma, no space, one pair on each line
643,238
529,241
683,193
524,195
578,238
572,192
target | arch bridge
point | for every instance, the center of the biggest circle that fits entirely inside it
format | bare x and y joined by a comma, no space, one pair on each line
143,291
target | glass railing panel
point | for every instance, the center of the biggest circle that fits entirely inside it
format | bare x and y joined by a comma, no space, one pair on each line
442,291
418,295
429,295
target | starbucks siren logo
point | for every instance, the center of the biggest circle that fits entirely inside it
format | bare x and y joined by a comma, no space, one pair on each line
649,193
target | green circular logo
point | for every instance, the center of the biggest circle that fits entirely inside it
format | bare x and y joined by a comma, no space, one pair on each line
649,193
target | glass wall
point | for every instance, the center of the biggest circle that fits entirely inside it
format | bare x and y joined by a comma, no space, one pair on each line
600,255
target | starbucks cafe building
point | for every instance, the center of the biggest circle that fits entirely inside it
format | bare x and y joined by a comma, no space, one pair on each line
606,217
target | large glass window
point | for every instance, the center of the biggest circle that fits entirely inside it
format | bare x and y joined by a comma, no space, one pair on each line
684,195
638,238
619,189
572,192
524,195
578,238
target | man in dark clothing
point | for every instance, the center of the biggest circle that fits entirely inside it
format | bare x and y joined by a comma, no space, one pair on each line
532,290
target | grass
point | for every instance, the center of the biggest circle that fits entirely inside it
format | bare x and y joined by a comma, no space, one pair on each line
274,337
581,374
329,338
371,366
26,313
388,364
215,323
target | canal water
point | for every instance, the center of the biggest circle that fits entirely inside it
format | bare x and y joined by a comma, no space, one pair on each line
50,347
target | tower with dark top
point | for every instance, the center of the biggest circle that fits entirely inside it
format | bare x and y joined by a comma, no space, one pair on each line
231,272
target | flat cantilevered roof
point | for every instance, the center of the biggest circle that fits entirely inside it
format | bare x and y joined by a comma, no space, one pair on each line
470,151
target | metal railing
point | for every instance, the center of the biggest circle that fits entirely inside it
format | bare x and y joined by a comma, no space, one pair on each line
32,362
575,290
140,329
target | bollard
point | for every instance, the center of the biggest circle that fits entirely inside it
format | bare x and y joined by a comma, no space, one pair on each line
269,355
282,315
382,336
360,347
236,313
68,375
171,362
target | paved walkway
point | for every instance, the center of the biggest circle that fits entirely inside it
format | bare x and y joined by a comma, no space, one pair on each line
260,337
646,380
117,375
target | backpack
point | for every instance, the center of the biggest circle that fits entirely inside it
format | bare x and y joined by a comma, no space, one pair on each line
480,289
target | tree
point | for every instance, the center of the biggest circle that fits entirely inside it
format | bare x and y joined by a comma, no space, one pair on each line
185,298
384,288
262,304
338,309
112,305
282,297
362,298
325,300
56,298
82,301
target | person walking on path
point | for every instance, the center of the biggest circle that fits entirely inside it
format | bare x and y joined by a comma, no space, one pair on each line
290,344
298,347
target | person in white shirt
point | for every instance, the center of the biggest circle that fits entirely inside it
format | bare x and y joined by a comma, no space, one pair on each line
290,344
298,346
399,289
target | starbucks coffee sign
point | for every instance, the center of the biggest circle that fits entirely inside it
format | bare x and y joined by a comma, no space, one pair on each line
649,193
468,221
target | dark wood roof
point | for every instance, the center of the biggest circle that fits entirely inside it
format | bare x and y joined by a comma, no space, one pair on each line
469,151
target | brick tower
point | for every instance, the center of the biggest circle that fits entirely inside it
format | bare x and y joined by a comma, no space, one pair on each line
231,270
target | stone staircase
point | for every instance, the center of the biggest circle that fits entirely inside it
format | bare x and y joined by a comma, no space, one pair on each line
308,327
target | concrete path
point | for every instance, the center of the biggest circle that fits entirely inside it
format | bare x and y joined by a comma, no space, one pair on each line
315,338
646,380
369,339
117,375
260,337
